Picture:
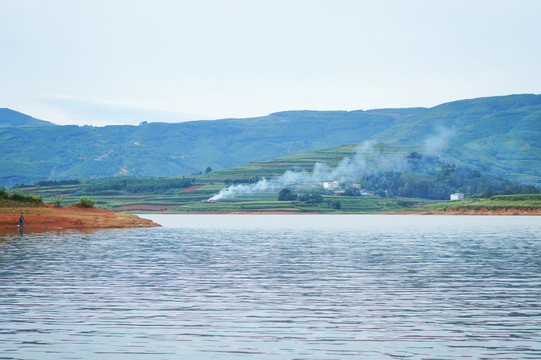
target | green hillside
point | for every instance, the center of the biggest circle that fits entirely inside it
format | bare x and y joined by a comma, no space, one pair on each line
11,118
498,135
372,178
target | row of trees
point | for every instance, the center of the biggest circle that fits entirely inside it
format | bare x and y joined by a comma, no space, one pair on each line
307,198
134,184
57,182
439,186
245,180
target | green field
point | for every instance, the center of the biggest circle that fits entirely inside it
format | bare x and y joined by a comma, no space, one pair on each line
196,202
177,200
522,201
386,189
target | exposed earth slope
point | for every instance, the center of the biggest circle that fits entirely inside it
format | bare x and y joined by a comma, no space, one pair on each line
50,218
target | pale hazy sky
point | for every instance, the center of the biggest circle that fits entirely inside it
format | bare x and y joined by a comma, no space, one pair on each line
126,61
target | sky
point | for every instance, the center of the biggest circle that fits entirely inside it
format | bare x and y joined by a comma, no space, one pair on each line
99,62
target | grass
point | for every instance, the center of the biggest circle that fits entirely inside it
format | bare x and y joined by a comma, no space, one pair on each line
194,202
522,201
176,201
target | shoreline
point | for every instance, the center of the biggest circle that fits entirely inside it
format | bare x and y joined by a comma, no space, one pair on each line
50,218
495,212
482,211
70,218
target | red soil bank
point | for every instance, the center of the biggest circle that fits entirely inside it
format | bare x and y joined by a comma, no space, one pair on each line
482,211
70,218
146,207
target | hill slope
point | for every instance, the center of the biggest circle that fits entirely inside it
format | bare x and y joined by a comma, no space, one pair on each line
499,134
11,118
373,177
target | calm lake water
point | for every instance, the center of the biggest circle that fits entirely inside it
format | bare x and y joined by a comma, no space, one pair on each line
276,287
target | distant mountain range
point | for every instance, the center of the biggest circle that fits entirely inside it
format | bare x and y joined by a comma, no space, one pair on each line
11,118
500,135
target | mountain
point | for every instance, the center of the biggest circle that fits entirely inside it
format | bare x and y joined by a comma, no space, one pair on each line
11,118
496,134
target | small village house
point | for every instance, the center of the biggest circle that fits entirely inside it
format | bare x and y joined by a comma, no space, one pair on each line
457,196
332,186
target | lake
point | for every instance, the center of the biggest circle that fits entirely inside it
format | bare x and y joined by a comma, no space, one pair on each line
276,287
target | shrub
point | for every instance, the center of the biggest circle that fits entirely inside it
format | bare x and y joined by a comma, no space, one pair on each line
85,202
336,205
28,199
56,201
286,195
311,198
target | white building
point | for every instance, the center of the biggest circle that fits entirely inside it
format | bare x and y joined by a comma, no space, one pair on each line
332,186
457,196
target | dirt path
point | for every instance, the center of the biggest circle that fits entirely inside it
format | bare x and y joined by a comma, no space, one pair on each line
192,188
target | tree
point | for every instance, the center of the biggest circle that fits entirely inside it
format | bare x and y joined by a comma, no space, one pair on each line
512,190
311,198
336,205
488,193
286,195
315,198
208,169
529,189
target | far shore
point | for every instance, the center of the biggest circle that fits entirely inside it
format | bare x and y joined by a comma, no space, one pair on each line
465,211
461,211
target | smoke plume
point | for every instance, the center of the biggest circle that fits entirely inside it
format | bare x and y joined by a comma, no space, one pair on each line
439,142
367,159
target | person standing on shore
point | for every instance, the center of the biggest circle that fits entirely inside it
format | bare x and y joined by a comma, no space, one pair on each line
21,220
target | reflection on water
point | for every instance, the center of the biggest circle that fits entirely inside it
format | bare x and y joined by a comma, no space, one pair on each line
276,287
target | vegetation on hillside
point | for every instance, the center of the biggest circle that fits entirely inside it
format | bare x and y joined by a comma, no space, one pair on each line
18,199
136,185
417,180
498,135
498,202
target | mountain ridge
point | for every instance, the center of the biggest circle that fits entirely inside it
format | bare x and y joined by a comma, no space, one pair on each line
12,118
496,134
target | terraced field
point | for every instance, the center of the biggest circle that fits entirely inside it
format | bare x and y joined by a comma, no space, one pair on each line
192,194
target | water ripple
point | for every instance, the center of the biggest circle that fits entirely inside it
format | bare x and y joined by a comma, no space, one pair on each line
416,290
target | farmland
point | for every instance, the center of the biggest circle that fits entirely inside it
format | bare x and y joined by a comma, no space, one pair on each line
392,179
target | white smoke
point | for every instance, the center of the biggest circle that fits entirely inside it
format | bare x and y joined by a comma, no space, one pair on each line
438,142
367,159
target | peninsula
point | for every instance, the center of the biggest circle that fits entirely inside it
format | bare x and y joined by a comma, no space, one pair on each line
48,217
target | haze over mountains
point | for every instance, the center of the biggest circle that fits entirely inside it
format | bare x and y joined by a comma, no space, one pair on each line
500,135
